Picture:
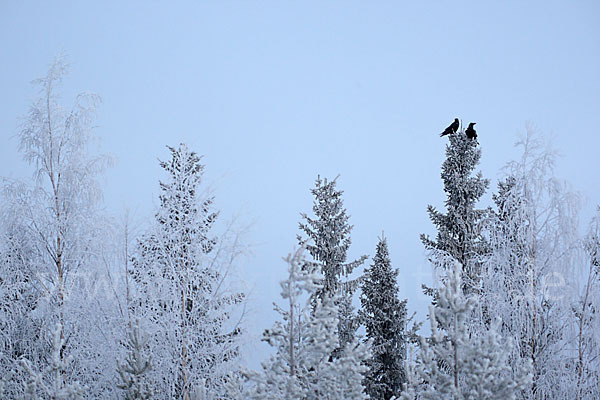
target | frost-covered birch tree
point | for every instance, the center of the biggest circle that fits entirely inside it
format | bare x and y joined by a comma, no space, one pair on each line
533,240
587,323
19,329
180,272
459,230
385,320
302,367
328,237
52,225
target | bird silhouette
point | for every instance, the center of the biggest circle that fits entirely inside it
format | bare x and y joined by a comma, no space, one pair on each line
470,132
451,129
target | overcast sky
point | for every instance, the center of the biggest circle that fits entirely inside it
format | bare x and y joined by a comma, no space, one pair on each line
273,93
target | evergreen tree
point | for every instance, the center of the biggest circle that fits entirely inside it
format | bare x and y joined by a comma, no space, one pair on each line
51,383
328,237
179,273
459,230
384,317
454,364
302,367
137,364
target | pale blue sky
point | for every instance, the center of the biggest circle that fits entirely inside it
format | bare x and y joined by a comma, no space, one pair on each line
275,92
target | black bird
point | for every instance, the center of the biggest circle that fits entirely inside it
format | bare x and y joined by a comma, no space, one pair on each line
470,132
451,129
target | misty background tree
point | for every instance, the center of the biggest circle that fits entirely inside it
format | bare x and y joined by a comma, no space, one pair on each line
526,279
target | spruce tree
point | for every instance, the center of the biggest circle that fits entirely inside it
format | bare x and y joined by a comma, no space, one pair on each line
384,317
328,240
454,364
133,372
51,383
459,230
302,367
179,279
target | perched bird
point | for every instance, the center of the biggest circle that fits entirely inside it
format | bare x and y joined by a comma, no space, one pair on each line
451,129
470,132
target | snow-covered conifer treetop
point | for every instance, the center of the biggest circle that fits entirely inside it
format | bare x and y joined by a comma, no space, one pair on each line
384,317
180,273
459,230
329,234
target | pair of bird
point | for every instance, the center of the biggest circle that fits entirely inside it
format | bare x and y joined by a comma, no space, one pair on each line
470,131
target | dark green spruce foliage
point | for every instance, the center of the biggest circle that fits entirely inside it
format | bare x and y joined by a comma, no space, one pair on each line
459,230
384,317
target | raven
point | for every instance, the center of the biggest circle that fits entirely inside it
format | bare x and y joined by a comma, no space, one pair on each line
470,132
451,129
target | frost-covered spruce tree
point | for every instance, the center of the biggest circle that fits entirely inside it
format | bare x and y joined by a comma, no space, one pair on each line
302,367
384,317
51,383
533,241
179,273
454,364
328,234
459,230
132,372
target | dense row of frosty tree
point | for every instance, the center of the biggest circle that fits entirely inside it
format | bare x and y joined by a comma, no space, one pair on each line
85,315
